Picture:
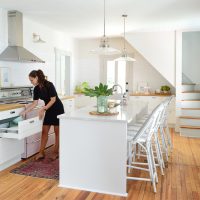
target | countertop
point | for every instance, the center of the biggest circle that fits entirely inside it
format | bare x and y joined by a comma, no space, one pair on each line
126,112
4,107
66,97
150,94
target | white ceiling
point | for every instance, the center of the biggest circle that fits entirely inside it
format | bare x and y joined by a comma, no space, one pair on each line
84,18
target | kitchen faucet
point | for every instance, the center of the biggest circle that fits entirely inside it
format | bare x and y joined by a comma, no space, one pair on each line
114,88
123,96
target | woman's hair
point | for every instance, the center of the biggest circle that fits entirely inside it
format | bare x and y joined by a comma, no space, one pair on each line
41,77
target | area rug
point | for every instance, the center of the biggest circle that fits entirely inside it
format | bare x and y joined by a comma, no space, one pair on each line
44,168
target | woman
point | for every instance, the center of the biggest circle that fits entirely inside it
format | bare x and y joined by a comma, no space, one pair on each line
45,91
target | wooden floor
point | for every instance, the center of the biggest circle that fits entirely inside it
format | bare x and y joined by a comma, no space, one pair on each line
181,181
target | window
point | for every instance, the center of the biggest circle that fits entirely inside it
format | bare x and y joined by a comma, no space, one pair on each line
110,73
62,72
121,74
116,73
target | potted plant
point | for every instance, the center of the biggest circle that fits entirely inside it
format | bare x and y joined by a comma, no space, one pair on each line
165,89
101,92
80,88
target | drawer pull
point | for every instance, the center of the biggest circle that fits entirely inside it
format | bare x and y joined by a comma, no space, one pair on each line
31,121
12,112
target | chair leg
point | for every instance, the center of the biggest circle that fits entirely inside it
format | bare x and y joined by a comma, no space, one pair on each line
159,155
139,151
160,152
154,165
164,145
129,156
134,152
169,137
150,165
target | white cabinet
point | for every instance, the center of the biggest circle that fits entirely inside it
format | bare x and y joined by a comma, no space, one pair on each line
32,143
68,105
24,128
10,150
153,101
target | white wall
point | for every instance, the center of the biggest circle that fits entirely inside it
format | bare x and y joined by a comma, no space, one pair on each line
19,71
144,71
90,65
190,55
158,48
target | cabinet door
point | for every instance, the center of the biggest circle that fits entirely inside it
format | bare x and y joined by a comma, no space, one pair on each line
135,98
154,101
68,105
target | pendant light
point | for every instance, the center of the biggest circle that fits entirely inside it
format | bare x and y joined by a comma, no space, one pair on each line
104,47
124,56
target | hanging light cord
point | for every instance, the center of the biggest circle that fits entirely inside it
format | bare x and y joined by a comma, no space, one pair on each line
124,16
104,22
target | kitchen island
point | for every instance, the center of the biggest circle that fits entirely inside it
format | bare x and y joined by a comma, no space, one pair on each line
93,149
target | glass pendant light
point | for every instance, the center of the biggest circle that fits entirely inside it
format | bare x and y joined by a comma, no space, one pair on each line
104,47
124,56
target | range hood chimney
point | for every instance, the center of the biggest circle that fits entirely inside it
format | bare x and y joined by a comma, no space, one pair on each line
15,50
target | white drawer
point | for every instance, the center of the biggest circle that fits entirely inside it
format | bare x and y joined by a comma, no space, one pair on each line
10,113
24,129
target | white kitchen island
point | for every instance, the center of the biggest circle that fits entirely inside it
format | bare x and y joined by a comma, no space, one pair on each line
93,149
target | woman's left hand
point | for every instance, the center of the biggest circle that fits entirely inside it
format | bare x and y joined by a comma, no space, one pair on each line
41,113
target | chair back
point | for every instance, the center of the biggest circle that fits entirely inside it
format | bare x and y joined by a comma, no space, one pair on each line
149,125
166,104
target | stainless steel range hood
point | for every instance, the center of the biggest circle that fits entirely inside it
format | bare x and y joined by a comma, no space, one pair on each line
15,50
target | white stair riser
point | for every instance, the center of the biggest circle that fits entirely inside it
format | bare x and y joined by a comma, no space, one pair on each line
193,113
189,96
190,122
190,104
190,132
187,88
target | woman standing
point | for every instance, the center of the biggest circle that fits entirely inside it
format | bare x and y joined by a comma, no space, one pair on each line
46,91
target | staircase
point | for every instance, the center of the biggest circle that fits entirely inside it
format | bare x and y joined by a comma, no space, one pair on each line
190,111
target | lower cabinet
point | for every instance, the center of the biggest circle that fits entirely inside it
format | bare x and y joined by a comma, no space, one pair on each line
32,143
153,101
10,152
68,105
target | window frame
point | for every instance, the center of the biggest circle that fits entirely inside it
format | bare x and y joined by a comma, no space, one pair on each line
103,70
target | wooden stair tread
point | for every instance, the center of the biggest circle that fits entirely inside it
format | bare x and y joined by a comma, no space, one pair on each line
190,127
188,83
189,117
191,100
190,108
192,91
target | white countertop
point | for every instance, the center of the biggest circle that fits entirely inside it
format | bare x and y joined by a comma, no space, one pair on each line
126,113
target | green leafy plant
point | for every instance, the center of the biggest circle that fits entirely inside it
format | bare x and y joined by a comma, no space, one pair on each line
165,88
81,87
101,90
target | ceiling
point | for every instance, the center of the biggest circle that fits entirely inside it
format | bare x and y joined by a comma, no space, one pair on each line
84,18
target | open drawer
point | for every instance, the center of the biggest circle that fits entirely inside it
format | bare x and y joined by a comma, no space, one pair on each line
24,129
